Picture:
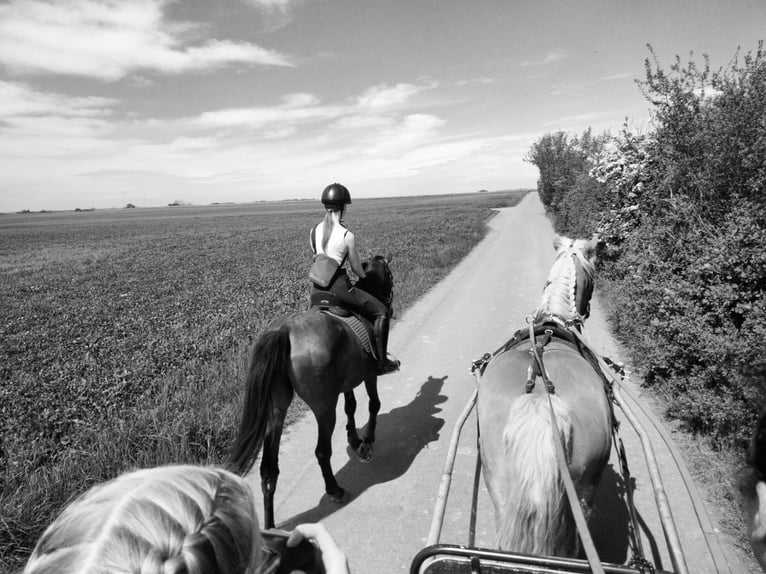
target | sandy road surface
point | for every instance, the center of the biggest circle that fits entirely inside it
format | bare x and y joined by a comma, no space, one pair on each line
474,310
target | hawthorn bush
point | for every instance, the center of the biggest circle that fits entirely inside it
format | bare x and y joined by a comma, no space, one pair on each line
681,213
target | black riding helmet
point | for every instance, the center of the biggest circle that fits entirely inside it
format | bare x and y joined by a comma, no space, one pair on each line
336,195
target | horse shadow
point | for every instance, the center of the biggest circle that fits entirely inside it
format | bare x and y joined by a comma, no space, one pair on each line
400,435
610,522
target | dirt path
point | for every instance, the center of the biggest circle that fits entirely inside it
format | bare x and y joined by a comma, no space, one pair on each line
473,311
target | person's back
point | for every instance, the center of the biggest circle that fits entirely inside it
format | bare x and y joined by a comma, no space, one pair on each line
335,246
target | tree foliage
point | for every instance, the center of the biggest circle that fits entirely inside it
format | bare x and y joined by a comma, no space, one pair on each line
681,212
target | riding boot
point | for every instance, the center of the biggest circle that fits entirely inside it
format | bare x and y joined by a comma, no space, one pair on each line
385,365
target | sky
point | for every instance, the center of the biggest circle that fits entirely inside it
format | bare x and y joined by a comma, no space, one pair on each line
109,102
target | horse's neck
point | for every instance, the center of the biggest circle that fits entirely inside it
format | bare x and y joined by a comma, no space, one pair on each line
372,285
558,300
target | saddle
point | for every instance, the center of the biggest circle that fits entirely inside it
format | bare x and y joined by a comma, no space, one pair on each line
326,302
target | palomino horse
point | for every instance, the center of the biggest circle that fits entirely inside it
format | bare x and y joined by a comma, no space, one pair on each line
516,430
318,357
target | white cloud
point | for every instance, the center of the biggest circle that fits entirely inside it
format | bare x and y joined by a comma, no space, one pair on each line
410,132
91,149
474,81
363,122
619,76
109,39
273,4
385,96
18,99
580,118
549,58
297,108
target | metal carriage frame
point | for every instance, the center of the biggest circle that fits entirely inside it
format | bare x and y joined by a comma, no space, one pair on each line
440,558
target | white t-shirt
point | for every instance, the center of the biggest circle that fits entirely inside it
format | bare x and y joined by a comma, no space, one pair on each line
336,246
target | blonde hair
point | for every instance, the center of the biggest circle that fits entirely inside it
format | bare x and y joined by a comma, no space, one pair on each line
165,520
329,224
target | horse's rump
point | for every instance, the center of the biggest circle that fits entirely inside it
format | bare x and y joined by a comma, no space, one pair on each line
517,449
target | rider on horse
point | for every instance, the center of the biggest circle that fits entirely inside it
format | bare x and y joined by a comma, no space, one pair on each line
332,239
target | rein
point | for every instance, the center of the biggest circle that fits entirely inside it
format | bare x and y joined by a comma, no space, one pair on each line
579,517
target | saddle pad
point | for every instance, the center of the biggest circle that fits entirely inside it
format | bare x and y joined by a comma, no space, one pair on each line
359,329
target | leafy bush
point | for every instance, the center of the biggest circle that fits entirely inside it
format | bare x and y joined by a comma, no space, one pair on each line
682,215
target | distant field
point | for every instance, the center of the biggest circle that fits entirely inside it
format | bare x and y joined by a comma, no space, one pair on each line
124,332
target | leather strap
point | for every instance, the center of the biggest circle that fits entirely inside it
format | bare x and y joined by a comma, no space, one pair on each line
582,526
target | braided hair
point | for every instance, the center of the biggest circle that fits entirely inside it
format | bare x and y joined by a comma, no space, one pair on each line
167,520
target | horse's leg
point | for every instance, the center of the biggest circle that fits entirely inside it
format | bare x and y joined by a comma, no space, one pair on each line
270,456
364,452
350,408
323,452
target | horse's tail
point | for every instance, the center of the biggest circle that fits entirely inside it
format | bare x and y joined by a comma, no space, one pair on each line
536,518
268,364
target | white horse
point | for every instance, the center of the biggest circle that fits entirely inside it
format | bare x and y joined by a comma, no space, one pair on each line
518,454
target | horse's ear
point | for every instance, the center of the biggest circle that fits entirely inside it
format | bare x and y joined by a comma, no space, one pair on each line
559,240
589,251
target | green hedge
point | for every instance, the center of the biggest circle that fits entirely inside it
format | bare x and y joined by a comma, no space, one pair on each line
681,213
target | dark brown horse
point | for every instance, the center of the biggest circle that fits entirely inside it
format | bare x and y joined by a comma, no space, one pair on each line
516,426
317,356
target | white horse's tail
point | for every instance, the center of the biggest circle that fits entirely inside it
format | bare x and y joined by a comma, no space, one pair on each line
536,518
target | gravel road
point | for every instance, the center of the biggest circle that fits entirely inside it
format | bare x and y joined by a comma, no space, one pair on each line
387,517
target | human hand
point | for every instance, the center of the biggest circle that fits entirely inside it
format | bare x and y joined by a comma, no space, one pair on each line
333,558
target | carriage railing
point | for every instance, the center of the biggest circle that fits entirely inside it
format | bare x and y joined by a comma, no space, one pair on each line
435,551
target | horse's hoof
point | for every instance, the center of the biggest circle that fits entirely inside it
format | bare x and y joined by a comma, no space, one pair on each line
337,496
364,452
354,444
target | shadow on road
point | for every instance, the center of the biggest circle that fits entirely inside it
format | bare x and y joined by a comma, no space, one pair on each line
610,522
401,434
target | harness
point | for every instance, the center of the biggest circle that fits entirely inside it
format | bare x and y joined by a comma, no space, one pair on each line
539,335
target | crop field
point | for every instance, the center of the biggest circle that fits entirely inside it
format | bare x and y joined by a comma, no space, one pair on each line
124,333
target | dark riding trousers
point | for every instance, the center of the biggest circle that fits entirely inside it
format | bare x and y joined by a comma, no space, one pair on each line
353,298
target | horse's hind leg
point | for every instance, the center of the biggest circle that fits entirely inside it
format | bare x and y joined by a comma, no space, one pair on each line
364,452
270,455
349,407
323,452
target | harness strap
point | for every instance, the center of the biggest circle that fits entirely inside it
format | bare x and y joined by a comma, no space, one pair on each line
582,526
537,368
